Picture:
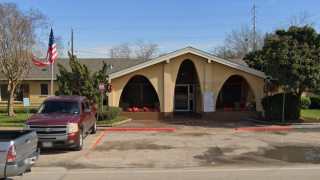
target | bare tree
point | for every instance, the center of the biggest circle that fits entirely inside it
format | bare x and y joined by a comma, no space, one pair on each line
59,45
241,40
238,43
142,50
145,50
123,51
303,18
224,52
162,53
17,40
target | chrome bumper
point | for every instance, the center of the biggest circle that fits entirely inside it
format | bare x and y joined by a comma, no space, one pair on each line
18,168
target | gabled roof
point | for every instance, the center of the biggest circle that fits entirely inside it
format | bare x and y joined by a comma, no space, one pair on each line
236,65
125,66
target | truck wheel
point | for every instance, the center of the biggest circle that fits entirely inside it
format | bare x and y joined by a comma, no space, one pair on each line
94,127
80,143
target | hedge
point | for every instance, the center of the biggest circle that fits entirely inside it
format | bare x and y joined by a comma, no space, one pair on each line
305,102
292,106
17,110
108,115
315,102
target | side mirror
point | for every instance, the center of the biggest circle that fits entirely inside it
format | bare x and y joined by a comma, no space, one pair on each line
33,111
87,111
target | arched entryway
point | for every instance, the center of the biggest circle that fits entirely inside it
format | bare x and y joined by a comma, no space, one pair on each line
235,92
187,89
139,92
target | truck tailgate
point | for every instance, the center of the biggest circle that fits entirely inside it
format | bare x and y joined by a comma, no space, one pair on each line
26,145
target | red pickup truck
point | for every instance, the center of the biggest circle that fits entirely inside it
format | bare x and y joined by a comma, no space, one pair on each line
63,121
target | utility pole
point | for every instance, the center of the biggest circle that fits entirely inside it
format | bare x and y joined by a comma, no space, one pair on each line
72,41
254,21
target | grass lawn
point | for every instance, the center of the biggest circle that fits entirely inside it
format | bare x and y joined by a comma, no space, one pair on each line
118,119
311,113
18,121
14,121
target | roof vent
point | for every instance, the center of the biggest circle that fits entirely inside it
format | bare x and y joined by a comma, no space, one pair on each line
110,66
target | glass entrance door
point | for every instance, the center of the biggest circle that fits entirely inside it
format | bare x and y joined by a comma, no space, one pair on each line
181,98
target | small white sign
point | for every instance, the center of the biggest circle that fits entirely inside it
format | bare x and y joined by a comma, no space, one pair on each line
208,102
101,87
26,102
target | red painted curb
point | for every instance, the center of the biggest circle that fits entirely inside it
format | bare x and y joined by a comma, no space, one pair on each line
140,129
265,128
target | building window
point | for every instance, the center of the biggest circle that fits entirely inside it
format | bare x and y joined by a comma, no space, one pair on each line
44,89
5,93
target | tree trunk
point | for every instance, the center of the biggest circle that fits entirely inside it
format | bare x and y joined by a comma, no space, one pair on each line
10,100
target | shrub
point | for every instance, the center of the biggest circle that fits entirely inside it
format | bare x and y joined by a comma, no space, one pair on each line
292,106
108,115
305,102
315,102
17,110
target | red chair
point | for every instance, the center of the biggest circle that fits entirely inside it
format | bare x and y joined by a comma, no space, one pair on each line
225,109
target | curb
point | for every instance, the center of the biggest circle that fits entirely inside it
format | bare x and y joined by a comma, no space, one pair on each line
265,128
275,128
140,129
113,124
263,122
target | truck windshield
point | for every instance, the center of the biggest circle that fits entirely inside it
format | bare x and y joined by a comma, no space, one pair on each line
59,107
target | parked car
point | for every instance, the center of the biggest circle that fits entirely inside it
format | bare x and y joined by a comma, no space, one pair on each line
18,152
63,122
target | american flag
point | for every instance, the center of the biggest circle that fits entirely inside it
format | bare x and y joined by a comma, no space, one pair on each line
51,54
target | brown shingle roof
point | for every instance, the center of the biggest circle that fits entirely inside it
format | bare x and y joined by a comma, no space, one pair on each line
95,64
239,61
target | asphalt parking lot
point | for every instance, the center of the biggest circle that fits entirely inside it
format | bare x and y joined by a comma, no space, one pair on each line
187,147
196,150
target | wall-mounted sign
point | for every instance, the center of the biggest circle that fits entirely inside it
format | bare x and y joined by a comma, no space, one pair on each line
208,101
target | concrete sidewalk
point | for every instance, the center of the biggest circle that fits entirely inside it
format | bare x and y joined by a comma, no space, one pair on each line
192,124
186,124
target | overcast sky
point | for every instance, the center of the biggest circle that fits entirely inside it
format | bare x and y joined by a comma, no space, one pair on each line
172,24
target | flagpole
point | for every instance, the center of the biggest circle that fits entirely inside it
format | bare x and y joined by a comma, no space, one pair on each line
52,71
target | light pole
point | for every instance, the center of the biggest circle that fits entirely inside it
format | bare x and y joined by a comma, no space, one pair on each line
107,79
268,81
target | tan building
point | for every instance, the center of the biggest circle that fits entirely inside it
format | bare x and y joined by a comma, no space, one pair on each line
176,82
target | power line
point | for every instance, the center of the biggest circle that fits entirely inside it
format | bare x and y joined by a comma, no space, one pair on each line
147,18
91,52
154,28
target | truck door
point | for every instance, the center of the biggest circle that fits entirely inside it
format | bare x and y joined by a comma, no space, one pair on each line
91,115
85,117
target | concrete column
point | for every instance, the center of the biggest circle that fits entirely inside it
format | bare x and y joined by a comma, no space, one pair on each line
207,81
259,95
208,78
167,100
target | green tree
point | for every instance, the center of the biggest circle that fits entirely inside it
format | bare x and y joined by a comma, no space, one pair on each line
81,81
291,58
